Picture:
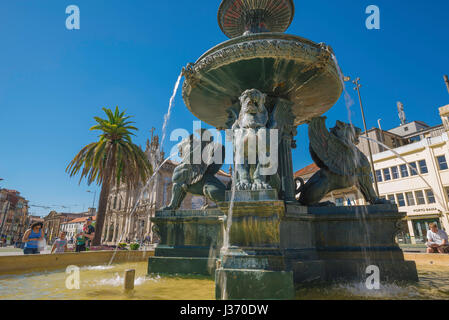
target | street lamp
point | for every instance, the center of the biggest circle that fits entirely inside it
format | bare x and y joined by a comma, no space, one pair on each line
95,195
357,88
446,80
378,122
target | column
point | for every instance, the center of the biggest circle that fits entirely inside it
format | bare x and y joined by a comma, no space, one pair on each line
287,131
108,229
114,235
103,232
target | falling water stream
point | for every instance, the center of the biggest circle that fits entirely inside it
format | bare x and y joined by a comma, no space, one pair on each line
361,212
226,235
170,108
142,191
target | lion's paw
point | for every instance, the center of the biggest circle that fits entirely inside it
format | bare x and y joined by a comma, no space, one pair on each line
260,185
243,185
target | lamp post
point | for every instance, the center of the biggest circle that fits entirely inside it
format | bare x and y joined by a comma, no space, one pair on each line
95,195
357,88
446,79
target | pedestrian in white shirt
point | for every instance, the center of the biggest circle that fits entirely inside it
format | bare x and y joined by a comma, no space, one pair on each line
437,240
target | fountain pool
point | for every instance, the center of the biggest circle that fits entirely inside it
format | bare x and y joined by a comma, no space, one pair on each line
106,283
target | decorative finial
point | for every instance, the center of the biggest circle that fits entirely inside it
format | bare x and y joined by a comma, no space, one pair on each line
245,17
401,113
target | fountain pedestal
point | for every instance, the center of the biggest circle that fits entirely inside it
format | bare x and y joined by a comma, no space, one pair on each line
190,241
331,244
253,267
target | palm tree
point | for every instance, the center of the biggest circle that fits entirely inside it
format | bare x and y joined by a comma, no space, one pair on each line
114,159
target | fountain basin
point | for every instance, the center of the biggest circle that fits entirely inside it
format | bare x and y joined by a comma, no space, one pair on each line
99,282
280,65
50,262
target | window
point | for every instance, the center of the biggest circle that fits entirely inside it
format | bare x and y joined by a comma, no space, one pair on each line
391,198
395,172
423,167
379,176
447,191
430,196
442,162
410,199
420,198
413,169
401,199
404,171
387,175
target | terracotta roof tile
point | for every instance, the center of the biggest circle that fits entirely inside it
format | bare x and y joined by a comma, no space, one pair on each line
80,220
307,170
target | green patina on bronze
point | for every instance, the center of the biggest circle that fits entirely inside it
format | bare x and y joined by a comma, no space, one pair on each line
262,80
279,65
342,164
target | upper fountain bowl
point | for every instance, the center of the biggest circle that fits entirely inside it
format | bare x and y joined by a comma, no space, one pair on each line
280,65
237,17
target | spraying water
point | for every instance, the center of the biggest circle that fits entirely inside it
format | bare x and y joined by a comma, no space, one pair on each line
349,102
170,108
361,212
164,130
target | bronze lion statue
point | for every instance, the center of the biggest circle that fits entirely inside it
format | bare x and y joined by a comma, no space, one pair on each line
342,165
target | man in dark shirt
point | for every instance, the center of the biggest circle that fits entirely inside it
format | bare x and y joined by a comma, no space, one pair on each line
89,231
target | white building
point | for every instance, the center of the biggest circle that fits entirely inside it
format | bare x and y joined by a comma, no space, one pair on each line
72,228
421,189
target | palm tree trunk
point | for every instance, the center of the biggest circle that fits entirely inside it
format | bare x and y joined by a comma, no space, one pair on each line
102,206
104,196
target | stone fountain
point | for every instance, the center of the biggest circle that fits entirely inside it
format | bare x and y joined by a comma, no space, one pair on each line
259,82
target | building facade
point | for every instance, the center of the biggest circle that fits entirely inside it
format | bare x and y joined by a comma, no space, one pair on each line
14,220
54,221
72,228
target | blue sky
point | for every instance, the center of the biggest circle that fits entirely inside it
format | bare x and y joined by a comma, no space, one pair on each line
129,53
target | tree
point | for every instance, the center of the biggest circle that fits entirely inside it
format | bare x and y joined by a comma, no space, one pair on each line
113,159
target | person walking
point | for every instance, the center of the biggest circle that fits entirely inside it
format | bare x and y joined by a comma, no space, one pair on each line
89,231
80,245
32,237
